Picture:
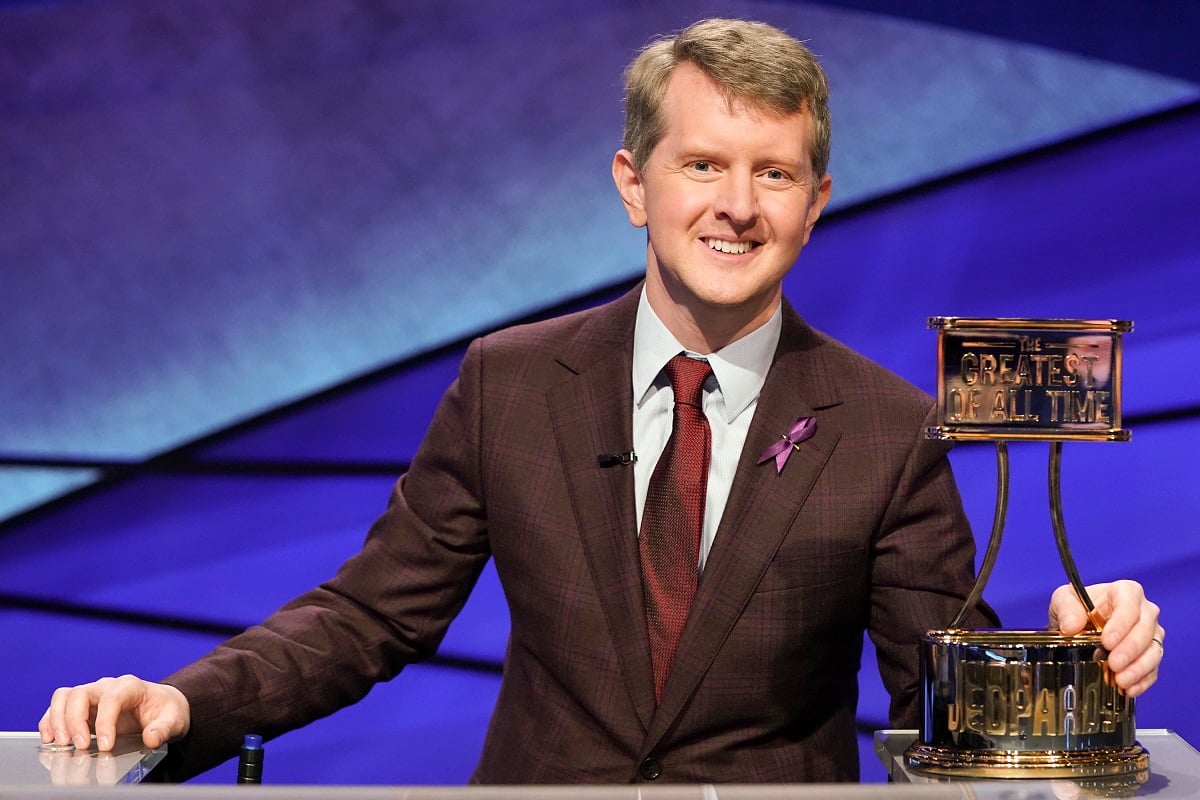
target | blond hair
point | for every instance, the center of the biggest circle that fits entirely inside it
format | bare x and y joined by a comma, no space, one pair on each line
754,62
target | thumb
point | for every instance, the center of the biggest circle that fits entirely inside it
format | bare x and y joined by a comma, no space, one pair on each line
156,734
1071,622
167,717
162,729
1067,614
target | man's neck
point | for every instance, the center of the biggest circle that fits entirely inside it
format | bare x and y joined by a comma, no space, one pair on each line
706,330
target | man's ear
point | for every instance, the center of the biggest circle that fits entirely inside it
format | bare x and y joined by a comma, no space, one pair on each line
824,190
630,187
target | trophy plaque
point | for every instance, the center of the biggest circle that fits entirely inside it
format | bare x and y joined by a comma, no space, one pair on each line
1026,703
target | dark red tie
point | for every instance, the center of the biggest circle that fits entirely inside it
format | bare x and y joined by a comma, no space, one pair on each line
673,516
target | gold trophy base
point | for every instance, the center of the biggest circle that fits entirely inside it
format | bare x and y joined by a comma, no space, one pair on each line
1133,761
1024,704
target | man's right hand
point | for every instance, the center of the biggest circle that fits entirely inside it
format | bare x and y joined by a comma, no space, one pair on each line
113,706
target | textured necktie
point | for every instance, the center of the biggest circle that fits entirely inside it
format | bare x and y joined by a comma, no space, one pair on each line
673,515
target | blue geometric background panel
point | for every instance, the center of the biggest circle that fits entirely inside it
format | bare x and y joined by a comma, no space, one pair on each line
214,208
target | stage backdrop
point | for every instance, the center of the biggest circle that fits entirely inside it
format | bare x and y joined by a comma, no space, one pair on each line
244,243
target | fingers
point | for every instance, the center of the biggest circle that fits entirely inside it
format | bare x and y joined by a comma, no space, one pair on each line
112,698
112,706
44,727
77,714
1125,610
1135,659
1139,674
1140,685
1131,632
66,721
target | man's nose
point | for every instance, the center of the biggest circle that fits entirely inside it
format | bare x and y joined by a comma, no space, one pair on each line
737,200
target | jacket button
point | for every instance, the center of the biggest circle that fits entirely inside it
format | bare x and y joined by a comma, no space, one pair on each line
650,769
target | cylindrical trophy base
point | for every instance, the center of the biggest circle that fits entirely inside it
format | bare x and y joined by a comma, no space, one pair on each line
1023,704
1042,765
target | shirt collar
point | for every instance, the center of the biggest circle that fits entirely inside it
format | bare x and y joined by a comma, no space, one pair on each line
740,367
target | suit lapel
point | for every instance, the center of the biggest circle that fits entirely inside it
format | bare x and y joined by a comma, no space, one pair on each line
592,413
761,508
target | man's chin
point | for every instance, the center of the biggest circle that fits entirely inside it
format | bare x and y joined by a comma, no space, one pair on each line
734,299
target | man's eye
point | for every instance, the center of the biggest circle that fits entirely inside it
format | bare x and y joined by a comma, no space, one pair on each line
776,174
702,166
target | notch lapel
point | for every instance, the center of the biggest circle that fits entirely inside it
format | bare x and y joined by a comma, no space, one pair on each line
592,413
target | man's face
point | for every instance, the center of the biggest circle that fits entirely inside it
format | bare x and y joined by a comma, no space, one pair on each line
727,198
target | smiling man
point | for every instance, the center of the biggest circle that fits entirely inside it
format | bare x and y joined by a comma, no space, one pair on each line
729,195
688,596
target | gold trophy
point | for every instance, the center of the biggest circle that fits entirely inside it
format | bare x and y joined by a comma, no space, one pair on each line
1026,703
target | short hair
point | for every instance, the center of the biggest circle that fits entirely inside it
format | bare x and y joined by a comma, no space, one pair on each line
754,62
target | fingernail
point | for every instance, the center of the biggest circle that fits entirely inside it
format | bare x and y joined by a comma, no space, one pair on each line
103,743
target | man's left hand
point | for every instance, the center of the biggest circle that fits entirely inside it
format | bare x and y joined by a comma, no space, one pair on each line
1131,634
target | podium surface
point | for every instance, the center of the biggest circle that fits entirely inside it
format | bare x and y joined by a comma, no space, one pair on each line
24,762
28,772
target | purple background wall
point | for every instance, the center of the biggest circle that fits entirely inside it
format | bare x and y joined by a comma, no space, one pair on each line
243,243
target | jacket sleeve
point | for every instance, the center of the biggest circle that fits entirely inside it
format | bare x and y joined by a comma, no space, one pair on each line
923,567
388,606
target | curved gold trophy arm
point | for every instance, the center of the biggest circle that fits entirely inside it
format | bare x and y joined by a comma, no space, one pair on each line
1060,536
993,548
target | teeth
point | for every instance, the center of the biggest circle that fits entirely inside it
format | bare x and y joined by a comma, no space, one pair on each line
734,248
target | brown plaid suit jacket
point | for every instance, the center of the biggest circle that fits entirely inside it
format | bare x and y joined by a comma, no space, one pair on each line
863,529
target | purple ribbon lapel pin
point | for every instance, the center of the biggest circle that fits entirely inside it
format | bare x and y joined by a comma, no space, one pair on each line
781,450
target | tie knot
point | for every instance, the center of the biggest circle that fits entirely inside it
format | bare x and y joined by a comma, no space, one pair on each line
687,379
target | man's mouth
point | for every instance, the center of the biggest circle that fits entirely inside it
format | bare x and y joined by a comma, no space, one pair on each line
732,248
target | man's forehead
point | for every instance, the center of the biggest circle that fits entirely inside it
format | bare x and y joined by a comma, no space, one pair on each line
690,99
689,79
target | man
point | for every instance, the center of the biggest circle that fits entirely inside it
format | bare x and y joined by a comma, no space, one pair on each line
636,652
